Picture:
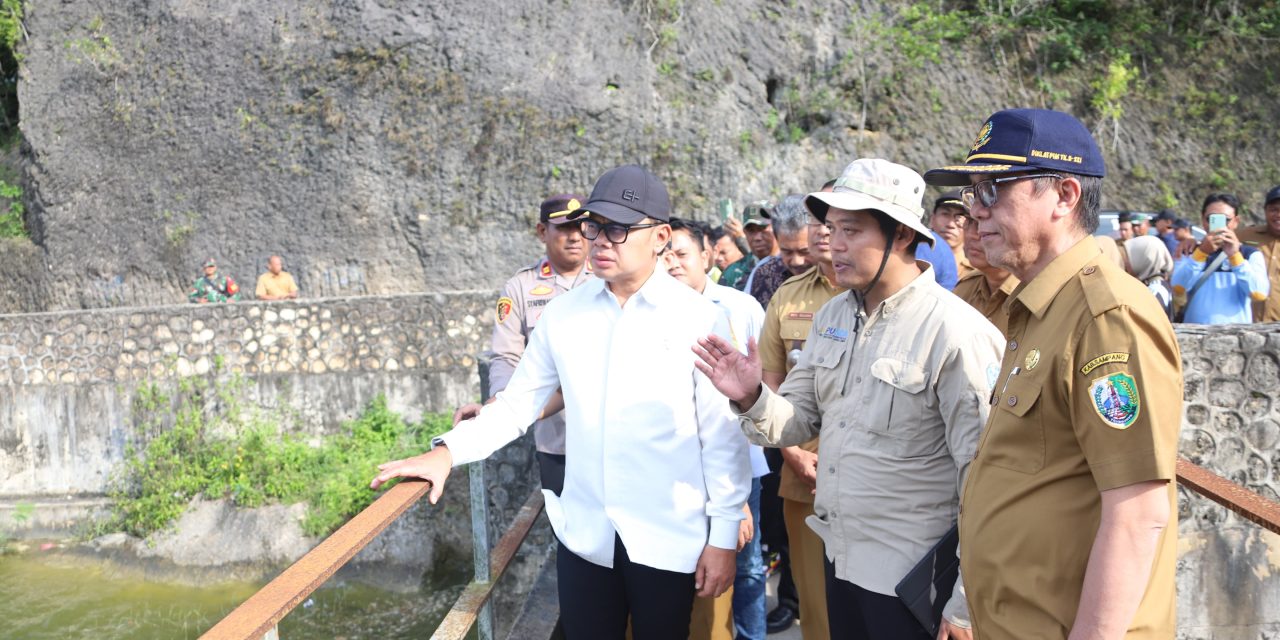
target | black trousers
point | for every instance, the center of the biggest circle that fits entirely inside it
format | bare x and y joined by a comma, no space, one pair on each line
551,471
595,601
857,614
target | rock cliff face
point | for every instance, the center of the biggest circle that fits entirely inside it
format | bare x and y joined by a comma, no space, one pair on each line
386,147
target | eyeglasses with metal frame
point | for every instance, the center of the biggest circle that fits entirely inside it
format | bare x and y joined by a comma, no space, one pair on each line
987,191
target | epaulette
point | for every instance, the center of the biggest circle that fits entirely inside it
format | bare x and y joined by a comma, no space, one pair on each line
535,266
1099,293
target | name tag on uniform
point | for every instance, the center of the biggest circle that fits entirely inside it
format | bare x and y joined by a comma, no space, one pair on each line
799,315
835,333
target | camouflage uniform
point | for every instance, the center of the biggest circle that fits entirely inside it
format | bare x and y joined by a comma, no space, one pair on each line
218,289
524,297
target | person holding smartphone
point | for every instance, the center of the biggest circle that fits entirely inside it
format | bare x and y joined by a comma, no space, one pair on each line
1222,279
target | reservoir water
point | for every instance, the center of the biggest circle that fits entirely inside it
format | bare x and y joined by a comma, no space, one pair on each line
52,596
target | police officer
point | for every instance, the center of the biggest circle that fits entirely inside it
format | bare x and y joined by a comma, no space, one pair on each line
523,298
894,375
1068,523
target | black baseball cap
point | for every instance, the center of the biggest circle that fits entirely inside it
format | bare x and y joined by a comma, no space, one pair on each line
1272,195
949,199
556,209
1166,214
1124,216
627,194
1017,140
1181,224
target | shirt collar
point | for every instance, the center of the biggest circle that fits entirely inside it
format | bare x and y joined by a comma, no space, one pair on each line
656,290
926,278
1037,293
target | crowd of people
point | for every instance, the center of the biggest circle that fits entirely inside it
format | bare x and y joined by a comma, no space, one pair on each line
858,384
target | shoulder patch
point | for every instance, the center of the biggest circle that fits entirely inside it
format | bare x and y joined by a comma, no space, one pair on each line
1103,359
541,290
1098,292
1115,398
503,309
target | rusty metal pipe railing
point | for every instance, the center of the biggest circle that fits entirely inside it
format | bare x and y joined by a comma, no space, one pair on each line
1249,505
259,615
467,609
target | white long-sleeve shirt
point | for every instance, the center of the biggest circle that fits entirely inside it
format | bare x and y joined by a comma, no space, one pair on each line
746,320
653,452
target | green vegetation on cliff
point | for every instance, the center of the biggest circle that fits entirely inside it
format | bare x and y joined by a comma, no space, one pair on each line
203,442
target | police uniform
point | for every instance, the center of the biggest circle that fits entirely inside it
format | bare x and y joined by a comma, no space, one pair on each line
1268,244
1088,398
974,289
523,298
787,322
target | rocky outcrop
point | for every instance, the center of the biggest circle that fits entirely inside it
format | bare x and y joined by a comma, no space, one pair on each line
389,147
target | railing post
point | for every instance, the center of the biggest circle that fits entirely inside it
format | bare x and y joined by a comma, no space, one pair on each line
480,516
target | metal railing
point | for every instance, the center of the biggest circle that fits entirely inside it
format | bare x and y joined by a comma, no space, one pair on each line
259,616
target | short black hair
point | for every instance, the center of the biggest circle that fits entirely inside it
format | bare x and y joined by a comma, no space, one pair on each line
1225,198
715,233
828,184
694,229
889,226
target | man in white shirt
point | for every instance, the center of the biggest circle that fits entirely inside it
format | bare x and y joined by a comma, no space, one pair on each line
656,471
688,261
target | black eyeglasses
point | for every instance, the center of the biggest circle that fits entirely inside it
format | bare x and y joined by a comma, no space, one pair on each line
986,191
615,232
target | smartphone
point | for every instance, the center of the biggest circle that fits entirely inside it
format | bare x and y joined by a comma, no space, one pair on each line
726,209
1217,222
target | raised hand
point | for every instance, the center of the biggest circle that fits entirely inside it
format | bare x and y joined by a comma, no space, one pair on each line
733,374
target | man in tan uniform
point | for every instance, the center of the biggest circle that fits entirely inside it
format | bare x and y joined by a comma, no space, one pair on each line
1266,239
987,287
787,323
1068,525
276,283
894,375
523,298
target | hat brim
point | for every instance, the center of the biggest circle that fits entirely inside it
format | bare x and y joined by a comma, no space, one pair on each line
613,211
756,222
819,203
564,218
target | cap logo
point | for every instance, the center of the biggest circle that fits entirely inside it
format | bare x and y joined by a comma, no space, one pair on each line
984,136
630,195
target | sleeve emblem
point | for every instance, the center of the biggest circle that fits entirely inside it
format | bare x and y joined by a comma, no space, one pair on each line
504,308
1115,398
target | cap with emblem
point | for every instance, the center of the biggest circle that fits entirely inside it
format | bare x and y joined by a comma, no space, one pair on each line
627,194
872,183
210,262
556,209
757,214
1017,140
949,199
1272,195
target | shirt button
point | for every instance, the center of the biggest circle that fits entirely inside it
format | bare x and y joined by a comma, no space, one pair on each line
1088,271
795,334
1013,345
831,469
1013,401
820,359
858,379
843,424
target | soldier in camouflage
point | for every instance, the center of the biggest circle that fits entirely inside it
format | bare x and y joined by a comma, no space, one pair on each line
212,287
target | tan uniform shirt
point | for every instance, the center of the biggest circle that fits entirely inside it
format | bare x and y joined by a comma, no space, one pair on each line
1259,236
270,284
1089,398
523,298
900,397
974,289
786,328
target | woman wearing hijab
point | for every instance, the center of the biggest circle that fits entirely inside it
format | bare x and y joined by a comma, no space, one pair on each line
1149,261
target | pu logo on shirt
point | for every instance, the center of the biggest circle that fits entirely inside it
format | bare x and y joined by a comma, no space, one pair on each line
839,334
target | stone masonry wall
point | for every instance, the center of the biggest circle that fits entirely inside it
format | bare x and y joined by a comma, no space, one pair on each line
1228,567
